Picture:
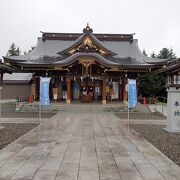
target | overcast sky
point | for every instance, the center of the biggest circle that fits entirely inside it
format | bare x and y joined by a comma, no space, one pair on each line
155,22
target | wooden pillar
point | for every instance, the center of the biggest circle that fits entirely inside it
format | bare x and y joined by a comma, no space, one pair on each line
104,90
36,88
1,79
125,98
119,91
68,80
33,90
122,89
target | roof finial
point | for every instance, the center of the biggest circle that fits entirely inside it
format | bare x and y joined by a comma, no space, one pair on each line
87,29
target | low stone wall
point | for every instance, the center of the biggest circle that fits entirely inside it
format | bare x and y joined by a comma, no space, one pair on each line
10,91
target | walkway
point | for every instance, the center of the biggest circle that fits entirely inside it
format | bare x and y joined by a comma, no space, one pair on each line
85,146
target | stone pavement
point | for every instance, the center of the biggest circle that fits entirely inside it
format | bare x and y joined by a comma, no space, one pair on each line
86,145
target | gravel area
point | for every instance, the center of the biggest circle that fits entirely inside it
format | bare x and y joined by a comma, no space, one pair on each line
9,111
13,131
27,115
167,143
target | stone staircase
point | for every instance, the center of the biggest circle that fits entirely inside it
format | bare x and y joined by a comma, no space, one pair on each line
114,107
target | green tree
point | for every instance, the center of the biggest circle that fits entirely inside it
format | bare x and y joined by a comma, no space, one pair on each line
151,85
144,52
18,51
31,49
13,50
166,53
153,55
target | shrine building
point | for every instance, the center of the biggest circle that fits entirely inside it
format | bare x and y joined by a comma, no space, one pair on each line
84,67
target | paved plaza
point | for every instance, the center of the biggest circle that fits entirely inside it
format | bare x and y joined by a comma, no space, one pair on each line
84,145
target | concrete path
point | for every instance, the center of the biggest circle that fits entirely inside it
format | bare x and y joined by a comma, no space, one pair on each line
84,146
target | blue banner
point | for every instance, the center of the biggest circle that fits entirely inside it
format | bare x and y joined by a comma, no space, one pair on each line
44,91
132,93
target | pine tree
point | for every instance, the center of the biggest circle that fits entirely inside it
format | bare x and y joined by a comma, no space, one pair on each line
166,53
18,51
153,55
151,84
144,52
13,50
31,49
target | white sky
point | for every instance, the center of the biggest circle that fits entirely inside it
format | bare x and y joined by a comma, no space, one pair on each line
155,22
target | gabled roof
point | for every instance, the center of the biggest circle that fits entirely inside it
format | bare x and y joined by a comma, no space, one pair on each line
88,40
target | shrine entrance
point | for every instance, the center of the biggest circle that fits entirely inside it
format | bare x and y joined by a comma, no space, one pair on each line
85,89
85,67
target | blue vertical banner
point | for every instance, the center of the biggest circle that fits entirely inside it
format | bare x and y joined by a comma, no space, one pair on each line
132,93
44,91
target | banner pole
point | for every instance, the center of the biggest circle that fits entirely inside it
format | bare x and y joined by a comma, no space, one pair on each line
128,117
128,104
0,109
40,102
39,111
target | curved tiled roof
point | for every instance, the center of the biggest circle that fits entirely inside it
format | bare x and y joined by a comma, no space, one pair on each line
172,67
49,51
5,68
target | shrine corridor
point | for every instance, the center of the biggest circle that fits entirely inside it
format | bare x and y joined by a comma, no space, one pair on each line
84,145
